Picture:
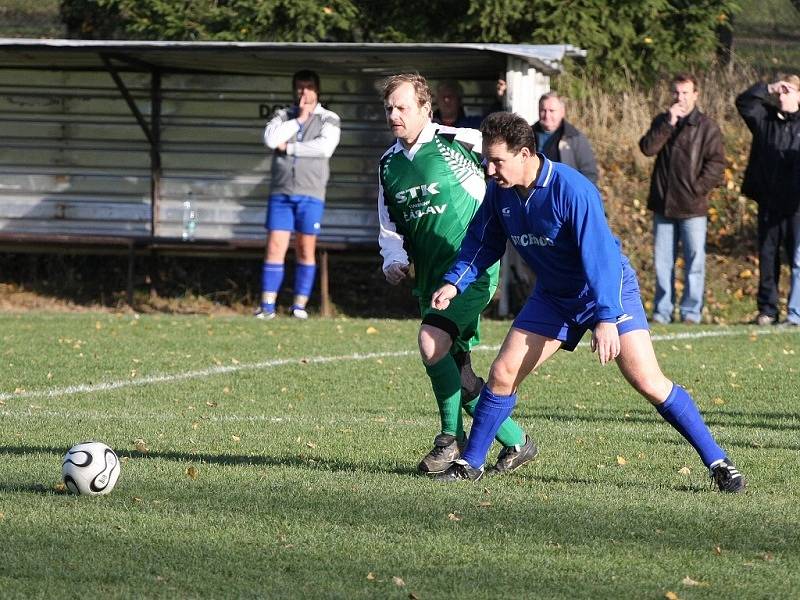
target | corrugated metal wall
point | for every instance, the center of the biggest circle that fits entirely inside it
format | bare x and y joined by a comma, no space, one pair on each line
73,159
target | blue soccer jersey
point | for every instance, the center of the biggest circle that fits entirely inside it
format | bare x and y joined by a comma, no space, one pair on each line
561,232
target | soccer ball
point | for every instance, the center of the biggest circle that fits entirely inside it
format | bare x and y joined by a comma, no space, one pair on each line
90,468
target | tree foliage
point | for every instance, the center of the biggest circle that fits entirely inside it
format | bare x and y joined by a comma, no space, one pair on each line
624,40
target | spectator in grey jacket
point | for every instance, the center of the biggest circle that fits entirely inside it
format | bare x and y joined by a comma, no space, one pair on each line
302,138
560,141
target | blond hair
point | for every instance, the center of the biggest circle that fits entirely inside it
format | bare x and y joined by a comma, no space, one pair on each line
421,88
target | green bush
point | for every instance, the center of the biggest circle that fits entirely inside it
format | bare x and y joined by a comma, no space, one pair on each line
625,40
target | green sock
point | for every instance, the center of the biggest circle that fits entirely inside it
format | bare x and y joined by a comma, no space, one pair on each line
509,434
446,382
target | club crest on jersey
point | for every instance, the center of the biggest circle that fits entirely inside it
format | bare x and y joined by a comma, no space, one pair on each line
418,191
529,239
414,214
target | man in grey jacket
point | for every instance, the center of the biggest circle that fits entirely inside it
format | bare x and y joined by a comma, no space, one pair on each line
302,138
560,141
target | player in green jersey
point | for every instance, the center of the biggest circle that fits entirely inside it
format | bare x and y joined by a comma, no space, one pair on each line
430,186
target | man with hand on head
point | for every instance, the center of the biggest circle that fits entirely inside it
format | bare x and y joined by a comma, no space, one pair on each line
772,179
303,139
554,217
430,184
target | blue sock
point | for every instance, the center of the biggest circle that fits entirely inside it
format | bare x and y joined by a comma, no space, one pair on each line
679,410
490,412
303,283
271,279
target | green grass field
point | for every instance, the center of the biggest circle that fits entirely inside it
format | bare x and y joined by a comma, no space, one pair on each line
277,460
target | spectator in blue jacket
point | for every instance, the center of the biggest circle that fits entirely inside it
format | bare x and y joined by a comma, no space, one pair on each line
450,107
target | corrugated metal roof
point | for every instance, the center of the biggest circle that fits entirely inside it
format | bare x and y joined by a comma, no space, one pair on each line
438,60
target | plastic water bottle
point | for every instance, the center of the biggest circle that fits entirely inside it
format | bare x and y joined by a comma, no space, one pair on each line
189,221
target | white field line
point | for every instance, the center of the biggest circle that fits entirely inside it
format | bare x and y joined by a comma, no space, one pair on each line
316,360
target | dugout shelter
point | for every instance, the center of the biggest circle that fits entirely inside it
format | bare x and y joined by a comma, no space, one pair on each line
101,142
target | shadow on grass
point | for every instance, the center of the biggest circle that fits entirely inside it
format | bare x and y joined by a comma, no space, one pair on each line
308,462
768,421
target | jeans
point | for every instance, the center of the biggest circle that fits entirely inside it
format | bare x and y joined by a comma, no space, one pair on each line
691,233
776,231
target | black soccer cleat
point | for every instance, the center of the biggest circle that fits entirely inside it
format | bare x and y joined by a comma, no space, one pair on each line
460,470
512,458
445,451
727,477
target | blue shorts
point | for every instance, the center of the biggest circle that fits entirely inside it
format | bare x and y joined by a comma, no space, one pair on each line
567,319
294,213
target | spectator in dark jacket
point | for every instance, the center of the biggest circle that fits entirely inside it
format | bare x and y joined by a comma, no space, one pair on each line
772,179
690,161
560,141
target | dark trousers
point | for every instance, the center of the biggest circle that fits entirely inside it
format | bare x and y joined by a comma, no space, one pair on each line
775,231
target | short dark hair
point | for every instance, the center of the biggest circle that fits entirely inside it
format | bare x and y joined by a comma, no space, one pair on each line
685,77
510,128
421,88
306,75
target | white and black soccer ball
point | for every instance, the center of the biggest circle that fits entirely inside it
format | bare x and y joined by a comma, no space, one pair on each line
90,468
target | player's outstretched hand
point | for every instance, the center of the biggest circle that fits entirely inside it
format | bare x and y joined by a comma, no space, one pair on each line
396,272
605,341
441,297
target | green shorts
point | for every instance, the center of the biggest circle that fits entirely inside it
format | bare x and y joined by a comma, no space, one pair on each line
462,319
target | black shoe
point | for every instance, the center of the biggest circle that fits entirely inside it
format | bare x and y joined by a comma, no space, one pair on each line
727,476
512,458
445,451
460,470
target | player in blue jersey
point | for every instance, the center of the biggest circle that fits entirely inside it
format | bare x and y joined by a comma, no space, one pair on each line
554,217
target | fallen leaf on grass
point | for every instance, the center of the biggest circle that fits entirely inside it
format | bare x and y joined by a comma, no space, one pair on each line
484,504
236,438
412,596
621,460
671,596
453,517
311,445
371,576
2,516
192,472
371,330
140,445
718,550
59,487
685,471
688,581
211,403
398,581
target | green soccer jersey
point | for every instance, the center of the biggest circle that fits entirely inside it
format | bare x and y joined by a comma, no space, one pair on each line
427,198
